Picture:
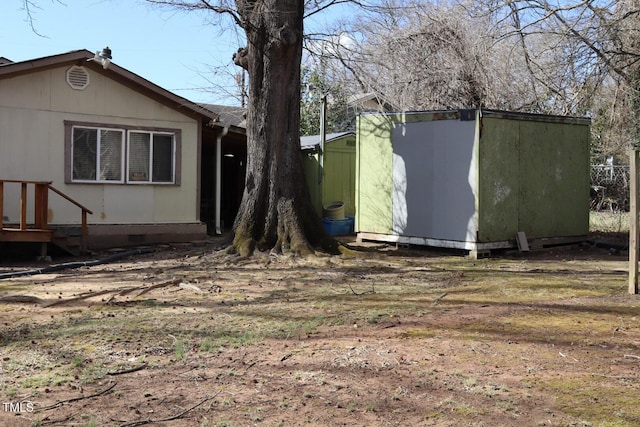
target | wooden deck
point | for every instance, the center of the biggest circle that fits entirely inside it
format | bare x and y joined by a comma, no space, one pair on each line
28,235
38,230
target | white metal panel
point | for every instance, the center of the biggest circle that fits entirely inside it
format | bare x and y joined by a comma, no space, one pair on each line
433,197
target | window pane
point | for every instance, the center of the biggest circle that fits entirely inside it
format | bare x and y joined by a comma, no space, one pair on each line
139,145
85,143
162,158
110,155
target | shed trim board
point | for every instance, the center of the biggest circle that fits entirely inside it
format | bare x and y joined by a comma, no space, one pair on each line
471,179
440,243
634,226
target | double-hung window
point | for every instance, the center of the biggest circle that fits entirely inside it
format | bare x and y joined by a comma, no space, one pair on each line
104,154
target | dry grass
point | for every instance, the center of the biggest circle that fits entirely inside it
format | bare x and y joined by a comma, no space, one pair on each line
609,221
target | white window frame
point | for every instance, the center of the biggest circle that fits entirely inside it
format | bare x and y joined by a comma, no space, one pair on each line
176,154
98,142
150,179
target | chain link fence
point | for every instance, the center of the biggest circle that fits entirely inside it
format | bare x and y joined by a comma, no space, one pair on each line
609,201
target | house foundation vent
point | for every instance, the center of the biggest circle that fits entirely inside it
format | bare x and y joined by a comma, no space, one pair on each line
77,77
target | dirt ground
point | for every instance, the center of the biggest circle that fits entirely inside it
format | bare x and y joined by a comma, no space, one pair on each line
183,335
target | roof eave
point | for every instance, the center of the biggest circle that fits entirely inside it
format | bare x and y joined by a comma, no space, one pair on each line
114,71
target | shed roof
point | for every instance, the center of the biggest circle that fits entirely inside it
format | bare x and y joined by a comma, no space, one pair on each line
312,142
470,114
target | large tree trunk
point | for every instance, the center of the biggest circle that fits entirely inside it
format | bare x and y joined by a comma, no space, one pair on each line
276,211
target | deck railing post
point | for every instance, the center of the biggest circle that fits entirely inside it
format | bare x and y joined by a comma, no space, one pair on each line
41,205
23,206
84,232
1,205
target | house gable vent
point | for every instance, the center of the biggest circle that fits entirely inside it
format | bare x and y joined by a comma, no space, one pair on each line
77,77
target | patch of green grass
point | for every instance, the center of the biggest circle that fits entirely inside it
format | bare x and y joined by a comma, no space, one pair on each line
460,408
419,333
90,421
92,373
11,391
36,381
378,316
206,345
470,383
371,406
239,339
179,349
597,400
505,405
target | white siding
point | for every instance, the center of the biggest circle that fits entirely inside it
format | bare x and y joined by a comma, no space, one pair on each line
33,109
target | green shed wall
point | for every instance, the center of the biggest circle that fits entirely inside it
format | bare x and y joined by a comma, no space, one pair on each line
374,174
338,175
311,174
534,177
339,180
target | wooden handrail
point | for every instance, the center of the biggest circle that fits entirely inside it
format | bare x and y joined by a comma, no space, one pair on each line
18,181
41,206
55,190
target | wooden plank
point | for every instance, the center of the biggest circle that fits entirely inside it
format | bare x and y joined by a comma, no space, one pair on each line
439,243
521,239
546,242
29,235
634,250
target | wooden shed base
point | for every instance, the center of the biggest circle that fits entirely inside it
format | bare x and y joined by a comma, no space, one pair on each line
475,250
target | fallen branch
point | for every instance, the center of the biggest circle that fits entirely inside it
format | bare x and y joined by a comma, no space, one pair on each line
632,356
372,291
75,399
614,377
82,297
128,371
61,421
171,418
437,300
159,285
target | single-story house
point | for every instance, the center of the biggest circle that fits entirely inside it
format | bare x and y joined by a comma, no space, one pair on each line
146,162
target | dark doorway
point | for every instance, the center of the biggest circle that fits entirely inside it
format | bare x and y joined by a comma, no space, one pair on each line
234,163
